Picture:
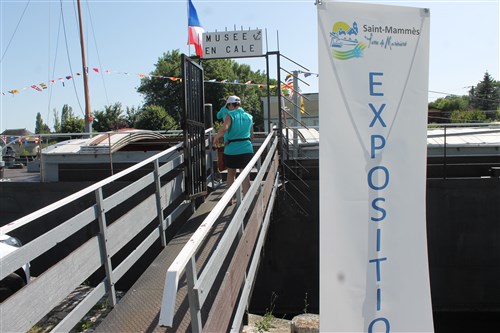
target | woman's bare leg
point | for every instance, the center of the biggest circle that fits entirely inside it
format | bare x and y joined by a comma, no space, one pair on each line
246,184
231,175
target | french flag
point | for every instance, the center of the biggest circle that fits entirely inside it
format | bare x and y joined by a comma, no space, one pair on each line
195,30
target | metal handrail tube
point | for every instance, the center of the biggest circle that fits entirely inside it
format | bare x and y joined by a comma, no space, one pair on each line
207,277
178,266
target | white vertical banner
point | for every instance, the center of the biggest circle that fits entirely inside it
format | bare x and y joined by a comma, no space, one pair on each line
373,85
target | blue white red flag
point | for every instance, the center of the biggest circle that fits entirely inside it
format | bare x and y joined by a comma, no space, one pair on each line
195,30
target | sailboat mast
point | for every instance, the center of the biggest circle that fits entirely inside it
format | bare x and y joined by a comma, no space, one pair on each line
88,116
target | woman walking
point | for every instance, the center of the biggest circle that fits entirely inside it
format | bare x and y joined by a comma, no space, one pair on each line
238,148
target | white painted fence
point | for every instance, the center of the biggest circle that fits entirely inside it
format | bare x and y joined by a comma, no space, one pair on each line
26,307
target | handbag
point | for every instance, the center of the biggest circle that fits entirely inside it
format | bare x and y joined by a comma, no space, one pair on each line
220,159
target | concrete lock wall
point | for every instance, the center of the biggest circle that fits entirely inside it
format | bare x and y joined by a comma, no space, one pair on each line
463,241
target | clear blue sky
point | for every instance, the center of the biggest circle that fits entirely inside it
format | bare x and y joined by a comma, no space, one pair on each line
129,36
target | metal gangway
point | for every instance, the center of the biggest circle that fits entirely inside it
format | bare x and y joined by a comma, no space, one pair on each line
144,211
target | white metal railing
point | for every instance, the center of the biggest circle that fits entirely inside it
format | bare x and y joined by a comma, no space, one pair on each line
197,282
31,303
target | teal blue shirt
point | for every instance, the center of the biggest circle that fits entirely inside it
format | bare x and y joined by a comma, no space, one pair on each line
221,115
241,128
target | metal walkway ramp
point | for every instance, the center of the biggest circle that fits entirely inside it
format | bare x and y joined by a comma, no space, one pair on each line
103,230
203,278
139,309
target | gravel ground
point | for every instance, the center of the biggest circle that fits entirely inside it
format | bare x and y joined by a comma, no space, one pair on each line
256,324
87,324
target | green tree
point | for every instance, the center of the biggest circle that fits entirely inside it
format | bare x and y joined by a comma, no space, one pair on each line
468,116
69,122
57,122
164,89
109,119
155,118
132,114
486,95
451,103
40,126
73,125
66,113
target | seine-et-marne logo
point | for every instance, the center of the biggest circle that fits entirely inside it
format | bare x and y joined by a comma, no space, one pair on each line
345,42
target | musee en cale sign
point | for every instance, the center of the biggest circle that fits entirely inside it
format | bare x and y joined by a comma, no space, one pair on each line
232,44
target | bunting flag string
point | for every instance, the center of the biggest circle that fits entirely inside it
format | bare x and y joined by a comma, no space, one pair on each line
42,86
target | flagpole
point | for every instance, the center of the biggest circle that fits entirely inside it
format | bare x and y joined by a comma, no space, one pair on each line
88,117
188,44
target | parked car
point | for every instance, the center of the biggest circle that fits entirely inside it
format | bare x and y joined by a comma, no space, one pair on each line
18,279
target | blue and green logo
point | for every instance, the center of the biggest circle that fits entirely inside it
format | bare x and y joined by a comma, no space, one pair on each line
344,41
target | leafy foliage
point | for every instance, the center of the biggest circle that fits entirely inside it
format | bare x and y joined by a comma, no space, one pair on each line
163,92
73,125
481,105
131,115
40,126
109,119
450,103
57,122
69,122
155,118
167,93
469,116
486,95
266,323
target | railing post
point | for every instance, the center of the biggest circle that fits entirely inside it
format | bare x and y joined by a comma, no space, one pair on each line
444,154
211,159
239,199
103,239
159,209
296,114
110,155
194,300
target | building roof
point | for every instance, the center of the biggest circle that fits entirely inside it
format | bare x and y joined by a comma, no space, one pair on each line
464,136
100,144
18,132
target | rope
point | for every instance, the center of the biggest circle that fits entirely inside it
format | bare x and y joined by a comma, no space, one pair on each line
15,30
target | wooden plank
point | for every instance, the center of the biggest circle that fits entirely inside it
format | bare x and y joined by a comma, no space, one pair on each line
225,302
171,165
45,210
252,270
130,190
130,224
26,307
209,273
33,249
271,176
42,244
134,221
172,190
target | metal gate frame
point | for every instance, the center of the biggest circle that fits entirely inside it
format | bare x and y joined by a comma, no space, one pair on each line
194,128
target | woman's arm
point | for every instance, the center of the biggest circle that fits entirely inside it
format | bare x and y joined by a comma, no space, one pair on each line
225,126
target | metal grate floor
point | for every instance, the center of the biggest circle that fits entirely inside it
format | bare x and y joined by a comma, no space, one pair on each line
139,309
